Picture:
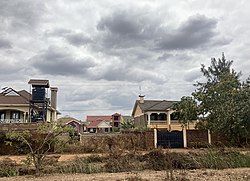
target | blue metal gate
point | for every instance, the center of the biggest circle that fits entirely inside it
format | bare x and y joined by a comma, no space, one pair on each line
173,139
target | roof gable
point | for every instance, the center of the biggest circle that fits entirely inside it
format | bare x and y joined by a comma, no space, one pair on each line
153,105
10,96
104,124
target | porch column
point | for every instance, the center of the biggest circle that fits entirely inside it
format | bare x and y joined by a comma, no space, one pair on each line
149,118
24,117
168,119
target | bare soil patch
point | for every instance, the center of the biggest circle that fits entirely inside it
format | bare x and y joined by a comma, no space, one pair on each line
201,175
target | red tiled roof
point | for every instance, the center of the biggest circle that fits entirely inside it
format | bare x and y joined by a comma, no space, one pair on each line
94,123
95,118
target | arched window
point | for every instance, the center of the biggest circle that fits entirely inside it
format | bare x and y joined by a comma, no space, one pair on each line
162,117
154,116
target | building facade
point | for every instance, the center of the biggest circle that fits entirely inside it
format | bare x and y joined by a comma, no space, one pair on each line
15,106
157,114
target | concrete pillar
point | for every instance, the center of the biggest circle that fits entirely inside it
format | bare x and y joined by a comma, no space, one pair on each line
24,117
149,118
168,119
209,137
184,137
155,138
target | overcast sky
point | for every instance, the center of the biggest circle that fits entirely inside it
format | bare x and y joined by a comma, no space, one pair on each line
98,53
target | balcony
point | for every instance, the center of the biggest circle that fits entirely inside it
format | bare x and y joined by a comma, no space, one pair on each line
6,121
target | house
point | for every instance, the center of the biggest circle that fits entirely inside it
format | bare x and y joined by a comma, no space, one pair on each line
103,123
75,123
99,126
156,114
24,107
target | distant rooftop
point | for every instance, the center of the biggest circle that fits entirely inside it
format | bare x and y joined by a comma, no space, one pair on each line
41,82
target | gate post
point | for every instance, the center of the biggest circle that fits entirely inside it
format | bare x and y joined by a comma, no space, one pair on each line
184,137
155,138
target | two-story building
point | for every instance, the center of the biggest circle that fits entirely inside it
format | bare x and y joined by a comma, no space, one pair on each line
157,114
15,106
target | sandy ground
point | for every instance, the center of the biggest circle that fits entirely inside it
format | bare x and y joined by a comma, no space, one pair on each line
201,175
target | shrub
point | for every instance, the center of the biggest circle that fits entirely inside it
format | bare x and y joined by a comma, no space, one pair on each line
123,163
79,165
157,160
215,159
8,168
94,158
183,161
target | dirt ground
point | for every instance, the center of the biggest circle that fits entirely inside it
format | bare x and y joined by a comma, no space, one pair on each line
67,157
201,175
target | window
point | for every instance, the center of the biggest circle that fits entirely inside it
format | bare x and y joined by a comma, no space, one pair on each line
116,124
162,117
116,118
106,130
154,117
15,115
2,115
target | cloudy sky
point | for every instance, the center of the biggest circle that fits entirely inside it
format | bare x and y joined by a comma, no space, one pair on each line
98,53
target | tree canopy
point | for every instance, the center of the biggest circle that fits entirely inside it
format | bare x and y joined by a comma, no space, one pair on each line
223,100
187,109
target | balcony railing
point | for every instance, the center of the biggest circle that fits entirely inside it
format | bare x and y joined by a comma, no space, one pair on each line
12,121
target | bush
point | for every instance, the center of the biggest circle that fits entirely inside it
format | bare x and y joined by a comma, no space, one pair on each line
215,159
80,165
8,168
157,160
183,161
123,163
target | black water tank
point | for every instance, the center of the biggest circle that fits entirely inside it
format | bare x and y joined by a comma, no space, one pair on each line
38,94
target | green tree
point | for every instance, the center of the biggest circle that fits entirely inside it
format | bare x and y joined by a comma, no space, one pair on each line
41,141
187,110
127,125
222,100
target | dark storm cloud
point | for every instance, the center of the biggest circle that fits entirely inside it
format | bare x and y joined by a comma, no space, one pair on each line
196,31
5,44
124,30
56,61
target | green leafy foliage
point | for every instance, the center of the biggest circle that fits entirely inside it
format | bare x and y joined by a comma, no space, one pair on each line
8,168
187,109
224,101
127,125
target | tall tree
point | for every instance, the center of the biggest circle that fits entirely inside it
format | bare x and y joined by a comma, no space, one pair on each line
186,109
222,99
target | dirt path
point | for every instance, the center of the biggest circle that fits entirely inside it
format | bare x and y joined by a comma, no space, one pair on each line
201,175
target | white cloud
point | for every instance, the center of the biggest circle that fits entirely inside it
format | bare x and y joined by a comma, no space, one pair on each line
99,52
